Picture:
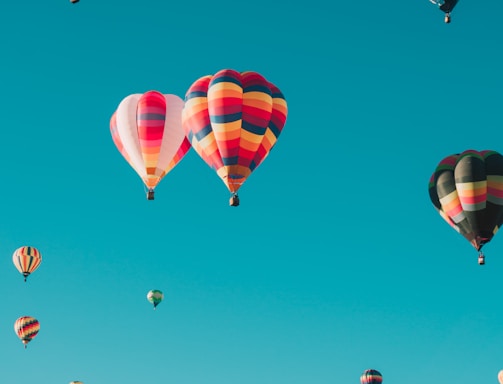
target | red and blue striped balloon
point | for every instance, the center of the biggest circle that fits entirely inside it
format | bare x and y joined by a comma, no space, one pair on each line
371,376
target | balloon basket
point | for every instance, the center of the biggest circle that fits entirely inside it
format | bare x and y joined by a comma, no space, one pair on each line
150,195
234,201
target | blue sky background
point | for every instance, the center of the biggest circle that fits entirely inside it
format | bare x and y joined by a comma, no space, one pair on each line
334,262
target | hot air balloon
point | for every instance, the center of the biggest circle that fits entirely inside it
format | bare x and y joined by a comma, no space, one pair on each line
26,328
147,131
500,376
155,297
446,6
371,376
467,191
233,120
26,259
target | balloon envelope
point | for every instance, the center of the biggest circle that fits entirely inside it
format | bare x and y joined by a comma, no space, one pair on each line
467,191
155,297
445,5
27,260
26,328
371,376
147,131
233,120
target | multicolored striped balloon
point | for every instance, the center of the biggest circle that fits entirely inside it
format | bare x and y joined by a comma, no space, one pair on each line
500,376
26,328
467,191
371,376
233,120
155,297
147,131
27,260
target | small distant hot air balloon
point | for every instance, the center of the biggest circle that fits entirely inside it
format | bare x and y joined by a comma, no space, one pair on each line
500,376
26,259
155,297
147,131
371,376
76,382
446,6
233,120
467,191
74,1
26,328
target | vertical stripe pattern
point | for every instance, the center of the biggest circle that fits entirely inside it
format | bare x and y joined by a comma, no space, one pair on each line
233,120
371,376
26,259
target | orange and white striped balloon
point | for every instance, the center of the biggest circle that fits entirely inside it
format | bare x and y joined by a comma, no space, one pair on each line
26,259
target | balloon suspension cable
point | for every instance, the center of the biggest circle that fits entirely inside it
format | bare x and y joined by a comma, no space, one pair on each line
482,259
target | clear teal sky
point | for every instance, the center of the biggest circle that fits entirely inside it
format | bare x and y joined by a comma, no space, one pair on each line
334,262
